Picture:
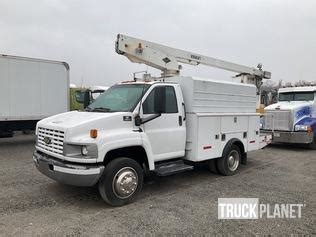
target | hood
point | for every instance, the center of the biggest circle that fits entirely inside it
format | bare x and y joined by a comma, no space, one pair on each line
289,105
76,123
76,118
298,110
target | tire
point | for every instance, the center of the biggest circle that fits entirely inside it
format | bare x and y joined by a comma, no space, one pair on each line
28,132
212,166
6,134
112,187
313,144
229,163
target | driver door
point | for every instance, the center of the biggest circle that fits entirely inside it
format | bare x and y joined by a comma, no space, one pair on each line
166,133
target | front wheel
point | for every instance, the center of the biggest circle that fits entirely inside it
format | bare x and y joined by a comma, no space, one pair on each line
229,163
122,180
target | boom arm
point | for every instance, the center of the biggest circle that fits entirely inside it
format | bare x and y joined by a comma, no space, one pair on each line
167,59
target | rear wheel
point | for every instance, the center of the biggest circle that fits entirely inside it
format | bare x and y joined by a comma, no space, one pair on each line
27,132
4,134
122,180
229,163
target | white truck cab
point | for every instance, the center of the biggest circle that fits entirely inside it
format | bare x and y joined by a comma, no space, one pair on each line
162,125
293,118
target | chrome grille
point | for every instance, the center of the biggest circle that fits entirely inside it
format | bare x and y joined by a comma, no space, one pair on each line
278,120
51,140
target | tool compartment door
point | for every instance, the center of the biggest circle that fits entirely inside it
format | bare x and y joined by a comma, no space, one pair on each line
253,133
234,126
208,144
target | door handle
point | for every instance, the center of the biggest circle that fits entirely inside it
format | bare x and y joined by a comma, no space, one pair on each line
180,120
184,111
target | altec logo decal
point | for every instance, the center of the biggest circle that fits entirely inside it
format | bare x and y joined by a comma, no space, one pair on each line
250,208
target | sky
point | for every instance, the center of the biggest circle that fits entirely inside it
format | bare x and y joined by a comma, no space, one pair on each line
280,34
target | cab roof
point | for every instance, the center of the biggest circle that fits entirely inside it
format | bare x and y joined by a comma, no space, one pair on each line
144,82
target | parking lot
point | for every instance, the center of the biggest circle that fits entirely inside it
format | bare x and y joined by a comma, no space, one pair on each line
31,203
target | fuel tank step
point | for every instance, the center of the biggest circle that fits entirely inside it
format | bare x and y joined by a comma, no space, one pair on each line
172,167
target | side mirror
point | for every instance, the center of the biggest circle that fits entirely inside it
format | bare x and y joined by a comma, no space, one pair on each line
86,99
160,100
138,120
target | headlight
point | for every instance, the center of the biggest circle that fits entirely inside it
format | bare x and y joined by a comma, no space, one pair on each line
302,128
86,151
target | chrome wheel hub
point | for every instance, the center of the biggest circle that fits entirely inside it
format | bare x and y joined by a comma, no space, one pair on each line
125,182
233,160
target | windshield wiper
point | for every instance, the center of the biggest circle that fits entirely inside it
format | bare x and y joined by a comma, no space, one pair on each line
99,109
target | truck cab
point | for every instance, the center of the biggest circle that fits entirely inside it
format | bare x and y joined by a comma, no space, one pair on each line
75,147
293,118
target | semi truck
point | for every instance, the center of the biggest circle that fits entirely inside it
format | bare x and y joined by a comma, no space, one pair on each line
293,118
31,89
164,124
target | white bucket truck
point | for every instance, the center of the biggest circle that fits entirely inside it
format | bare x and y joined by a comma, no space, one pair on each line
164,125
293,118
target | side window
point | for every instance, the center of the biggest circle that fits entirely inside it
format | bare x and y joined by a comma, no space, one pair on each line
148,105
79,96
169,101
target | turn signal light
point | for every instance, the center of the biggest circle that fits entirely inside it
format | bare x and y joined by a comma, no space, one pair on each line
309,129
93,133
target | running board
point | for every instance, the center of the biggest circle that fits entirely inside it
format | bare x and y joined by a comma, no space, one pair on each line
173,167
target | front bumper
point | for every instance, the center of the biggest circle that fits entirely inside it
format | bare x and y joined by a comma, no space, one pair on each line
72,174
292,137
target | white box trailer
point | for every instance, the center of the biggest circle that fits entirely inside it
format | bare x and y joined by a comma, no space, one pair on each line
31,89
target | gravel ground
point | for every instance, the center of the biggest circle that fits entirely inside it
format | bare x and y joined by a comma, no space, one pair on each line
32,204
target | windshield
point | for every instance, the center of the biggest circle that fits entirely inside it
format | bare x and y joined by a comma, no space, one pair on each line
119,98
296,96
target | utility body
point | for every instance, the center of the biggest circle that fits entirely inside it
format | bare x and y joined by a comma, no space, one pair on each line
31,89
293,118
163,125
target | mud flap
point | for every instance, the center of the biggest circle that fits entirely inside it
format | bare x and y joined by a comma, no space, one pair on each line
244,158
